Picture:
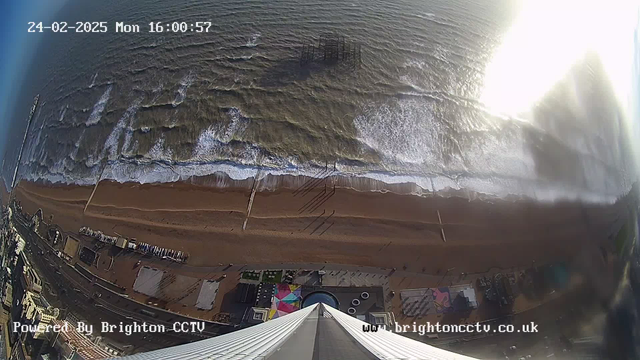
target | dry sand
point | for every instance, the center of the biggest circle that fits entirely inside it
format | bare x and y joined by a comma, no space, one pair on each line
381,229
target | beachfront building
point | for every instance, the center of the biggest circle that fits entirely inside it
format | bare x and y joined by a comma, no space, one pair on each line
25,279
315,332
37,313
30,280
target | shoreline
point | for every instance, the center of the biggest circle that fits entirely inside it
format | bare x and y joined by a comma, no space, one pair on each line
380,229
275,179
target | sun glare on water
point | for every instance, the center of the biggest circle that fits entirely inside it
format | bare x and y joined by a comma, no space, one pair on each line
547,38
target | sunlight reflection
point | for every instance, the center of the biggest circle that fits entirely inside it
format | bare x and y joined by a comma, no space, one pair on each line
547,38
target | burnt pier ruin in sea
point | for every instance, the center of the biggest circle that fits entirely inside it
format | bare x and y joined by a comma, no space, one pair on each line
332,49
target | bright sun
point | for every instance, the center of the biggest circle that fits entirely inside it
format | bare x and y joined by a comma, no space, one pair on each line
547,38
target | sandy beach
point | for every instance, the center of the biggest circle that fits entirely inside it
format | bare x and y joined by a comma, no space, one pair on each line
381,229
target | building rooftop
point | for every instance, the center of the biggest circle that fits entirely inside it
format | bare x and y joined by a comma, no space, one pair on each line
83,345
258,315
37,300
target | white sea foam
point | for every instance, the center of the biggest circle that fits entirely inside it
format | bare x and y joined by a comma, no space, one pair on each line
237,124
98,108
93,80
74,153
126,144
492,161
126,120
376,129
63,111
213,139
93,159
42,155
58,167
405,134
414,63
207,143
427,16
157,92
151,171
185,83
159,151
33,145
253,40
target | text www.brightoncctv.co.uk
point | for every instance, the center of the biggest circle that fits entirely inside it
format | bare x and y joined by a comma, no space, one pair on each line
437,328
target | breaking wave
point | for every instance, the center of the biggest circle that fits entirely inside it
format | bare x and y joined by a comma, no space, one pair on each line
125,122
253,40
404,136
181,94
157,167
93,80
98,108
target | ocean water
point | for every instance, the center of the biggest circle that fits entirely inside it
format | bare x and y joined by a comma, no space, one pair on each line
161,107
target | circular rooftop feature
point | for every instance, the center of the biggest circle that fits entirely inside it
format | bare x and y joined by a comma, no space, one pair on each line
320,297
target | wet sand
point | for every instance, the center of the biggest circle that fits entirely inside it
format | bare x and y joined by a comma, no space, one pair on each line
381,229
